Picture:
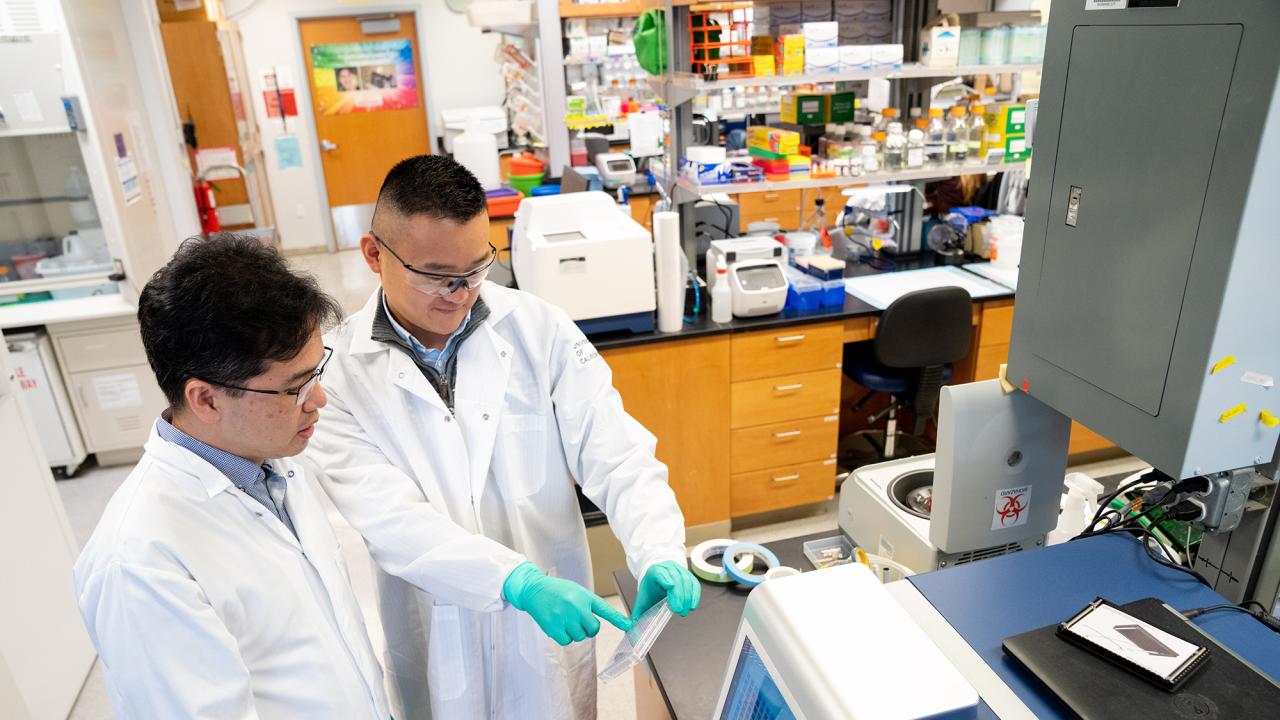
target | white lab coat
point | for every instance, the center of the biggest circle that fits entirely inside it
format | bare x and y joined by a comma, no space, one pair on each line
534,408
201,603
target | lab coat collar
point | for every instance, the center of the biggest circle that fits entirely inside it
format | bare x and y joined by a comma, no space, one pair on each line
211,478
498,299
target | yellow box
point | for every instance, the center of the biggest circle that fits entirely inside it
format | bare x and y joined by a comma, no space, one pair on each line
763,65
1010,118
804,108
774,140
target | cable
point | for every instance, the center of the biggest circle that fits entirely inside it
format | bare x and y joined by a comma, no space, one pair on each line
1260,615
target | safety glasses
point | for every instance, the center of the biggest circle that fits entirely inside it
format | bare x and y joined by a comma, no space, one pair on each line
300,393
442,284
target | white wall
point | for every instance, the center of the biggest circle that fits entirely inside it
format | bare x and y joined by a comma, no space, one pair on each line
457,61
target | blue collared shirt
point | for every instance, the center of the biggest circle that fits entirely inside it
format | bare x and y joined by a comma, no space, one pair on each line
259,482
437,359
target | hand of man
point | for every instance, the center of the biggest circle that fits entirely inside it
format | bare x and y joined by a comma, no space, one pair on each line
564,610
673,581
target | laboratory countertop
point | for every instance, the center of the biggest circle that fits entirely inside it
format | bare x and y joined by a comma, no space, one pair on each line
53,312
985,602
702,326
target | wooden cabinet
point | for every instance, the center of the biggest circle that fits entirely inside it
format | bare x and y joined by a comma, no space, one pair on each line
784,411
994,335
498,232
782,207
642,210
679,390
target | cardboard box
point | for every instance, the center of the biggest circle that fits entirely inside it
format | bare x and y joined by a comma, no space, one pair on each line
940,43
886,55
1008,119
820,34
776,141
841,107
821,60
762,45
790,54
764,66
803,108
854,57
1016,149
791,29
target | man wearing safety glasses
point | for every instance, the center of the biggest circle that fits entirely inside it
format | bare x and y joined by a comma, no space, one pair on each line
460,415
213,585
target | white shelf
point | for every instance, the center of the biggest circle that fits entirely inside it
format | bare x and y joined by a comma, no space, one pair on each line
685,86
936,172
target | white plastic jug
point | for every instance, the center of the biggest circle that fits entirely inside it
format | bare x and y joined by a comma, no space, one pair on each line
477,151
1006,240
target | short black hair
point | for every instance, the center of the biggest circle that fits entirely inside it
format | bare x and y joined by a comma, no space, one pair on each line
222,308
432,185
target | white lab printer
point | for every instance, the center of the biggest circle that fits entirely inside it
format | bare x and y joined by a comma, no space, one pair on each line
584,252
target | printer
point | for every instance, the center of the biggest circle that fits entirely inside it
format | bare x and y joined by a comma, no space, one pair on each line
584,252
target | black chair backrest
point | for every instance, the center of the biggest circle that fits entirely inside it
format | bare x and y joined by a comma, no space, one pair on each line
925,328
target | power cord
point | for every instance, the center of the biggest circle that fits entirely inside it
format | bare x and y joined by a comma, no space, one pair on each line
1261,615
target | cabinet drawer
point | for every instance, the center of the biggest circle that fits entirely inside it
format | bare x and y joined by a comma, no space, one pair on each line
782,207
116,407
120,347
794,441
787,397
997,323
782,487
787,350
987,365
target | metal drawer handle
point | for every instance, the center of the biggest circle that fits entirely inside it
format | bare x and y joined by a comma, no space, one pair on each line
785,388
787,478
788,434
790,339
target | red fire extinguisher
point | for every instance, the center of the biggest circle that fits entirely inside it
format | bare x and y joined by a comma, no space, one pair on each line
207,207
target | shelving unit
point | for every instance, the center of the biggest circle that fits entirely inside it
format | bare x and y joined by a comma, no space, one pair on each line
628,8
688,190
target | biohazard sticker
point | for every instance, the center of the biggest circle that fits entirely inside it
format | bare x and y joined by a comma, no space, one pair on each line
1011,508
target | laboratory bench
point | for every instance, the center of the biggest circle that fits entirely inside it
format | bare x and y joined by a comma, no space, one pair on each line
747,413
967,611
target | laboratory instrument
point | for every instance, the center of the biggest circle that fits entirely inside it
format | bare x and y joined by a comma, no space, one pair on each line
801,651
584,252
755,274
993,487
616,169
1162,348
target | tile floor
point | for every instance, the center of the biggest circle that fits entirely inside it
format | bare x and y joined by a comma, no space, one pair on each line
345,275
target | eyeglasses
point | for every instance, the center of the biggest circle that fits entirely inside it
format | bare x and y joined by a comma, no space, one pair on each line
300,393
442,284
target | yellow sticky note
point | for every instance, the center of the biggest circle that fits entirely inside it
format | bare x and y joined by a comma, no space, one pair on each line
1231,413
1266,418
1223,364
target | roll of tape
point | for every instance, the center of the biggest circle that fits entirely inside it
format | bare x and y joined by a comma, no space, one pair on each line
759,551
780,572
705,561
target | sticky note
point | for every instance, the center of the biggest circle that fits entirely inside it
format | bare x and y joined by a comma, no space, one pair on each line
1231,413
1268,419
1223,364
1257,378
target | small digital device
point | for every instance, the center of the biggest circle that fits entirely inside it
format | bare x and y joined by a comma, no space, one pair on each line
758,284
1134,644
616,169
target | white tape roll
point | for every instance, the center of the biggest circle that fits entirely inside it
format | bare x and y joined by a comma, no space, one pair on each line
780,572
706,560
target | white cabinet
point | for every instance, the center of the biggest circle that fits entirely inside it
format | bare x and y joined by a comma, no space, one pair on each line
112,388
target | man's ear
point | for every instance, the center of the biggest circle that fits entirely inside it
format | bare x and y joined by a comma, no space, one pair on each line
371,251
202,401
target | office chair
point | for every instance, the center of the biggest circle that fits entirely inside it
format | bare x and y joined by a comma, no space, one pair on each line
919,336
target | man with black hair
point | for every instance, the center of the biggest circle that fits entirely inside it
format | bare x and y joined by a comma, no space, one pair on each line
213,585
460,415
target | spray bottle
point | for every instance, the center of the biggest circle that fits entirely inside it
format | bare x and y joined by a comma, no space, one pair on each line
1078,507
721,294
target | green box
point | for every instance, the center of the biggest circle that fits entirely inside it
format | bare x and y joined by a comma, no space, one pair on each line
804,108
762,153
840,107
1016,149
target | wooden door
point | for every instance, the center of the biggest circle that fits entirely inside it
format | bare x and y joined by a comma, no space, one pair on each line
365,77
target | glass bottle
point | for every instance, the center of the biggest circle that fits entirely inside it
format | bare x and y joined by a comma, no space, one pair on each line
915,148
868,150
935,140
958,135
977,133
895,147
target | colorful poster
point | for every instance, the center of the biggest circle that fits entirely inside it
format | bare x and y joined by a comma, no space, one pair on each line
364,77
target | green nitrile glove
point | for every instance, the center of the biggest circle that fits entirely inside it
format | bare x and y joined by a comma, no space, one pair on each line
564,610
672,580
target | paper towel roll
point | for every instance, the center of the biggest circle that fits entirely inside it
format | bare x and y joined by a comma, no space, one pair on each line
667,252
